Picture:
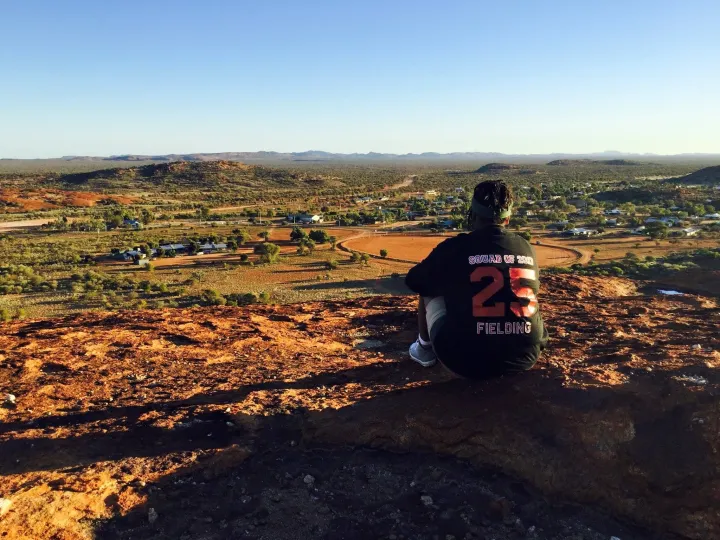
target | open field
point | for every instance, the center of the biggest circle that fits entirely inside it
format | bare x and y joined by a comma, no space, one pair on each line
415,248
617,248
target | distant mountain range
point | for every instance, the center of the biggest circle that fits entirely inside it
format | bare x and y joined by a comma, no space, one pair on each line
319,155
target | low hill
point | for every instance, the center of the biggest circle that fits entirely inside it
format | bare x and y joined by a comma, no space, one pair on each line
281,422
569,162
625,162
191,174
708,175
614,162
493,168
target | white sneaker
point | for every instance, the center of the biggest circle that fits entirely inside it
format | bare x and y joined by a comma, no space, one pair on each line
425,356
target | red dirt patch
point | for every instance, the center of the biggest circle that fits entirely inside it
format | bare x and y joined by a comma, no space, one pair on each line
27,200
410,247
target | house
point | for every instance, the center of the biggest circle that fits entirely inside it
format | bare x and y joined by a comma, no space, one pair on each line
669,221
128,255
363,200
612,222
716,215
212,246
691,231
431,193
580,232
578,203
305,219
177,248
613,212
447,223
131,223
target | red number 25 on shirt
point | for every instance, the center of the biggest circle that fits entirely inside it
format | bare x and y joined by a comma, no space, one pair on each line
481,309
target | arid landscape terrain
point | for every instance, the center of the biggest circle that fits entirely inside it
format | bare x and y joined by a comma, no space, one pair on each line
246,248
185,356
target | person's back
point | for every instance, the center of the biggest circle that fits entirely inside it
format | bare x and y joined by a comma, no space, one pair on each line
479,295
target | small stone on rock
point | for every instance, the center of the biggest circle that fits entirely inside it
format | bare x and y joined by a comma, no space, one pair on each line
152,516
245,499
10,399
5,505
309,479
426,500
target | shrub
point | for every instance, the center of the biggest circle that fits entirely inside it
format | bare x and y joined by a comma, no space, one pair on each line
264,297
331,264
211,297
526,235
383,253
319,236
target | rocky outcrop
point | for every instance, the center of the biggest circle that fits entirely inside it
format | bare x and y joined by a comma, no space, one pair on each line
621,414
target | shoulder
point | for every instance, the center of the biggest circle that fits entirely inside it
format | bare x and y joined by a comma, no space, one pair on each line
517,241
453,242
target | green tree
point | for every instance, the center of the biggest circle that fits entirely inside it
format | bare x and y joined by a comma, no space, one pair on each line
657,230
243,237
306,246
319,236
264,235
146,216
269,252
297,234
333,242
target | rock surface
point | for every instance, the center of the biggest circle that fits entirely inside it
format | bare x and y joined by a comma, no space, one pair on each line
121,413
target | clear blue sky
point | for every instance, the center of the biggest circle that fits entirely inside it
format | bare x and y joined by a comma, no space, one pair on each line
100,77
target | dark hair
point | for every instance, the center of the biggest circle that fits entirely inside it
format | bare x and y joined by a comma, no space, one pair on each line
495,195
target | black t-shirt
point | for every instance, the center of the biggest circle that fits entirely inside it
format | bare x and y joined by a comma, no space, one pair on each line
490,281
